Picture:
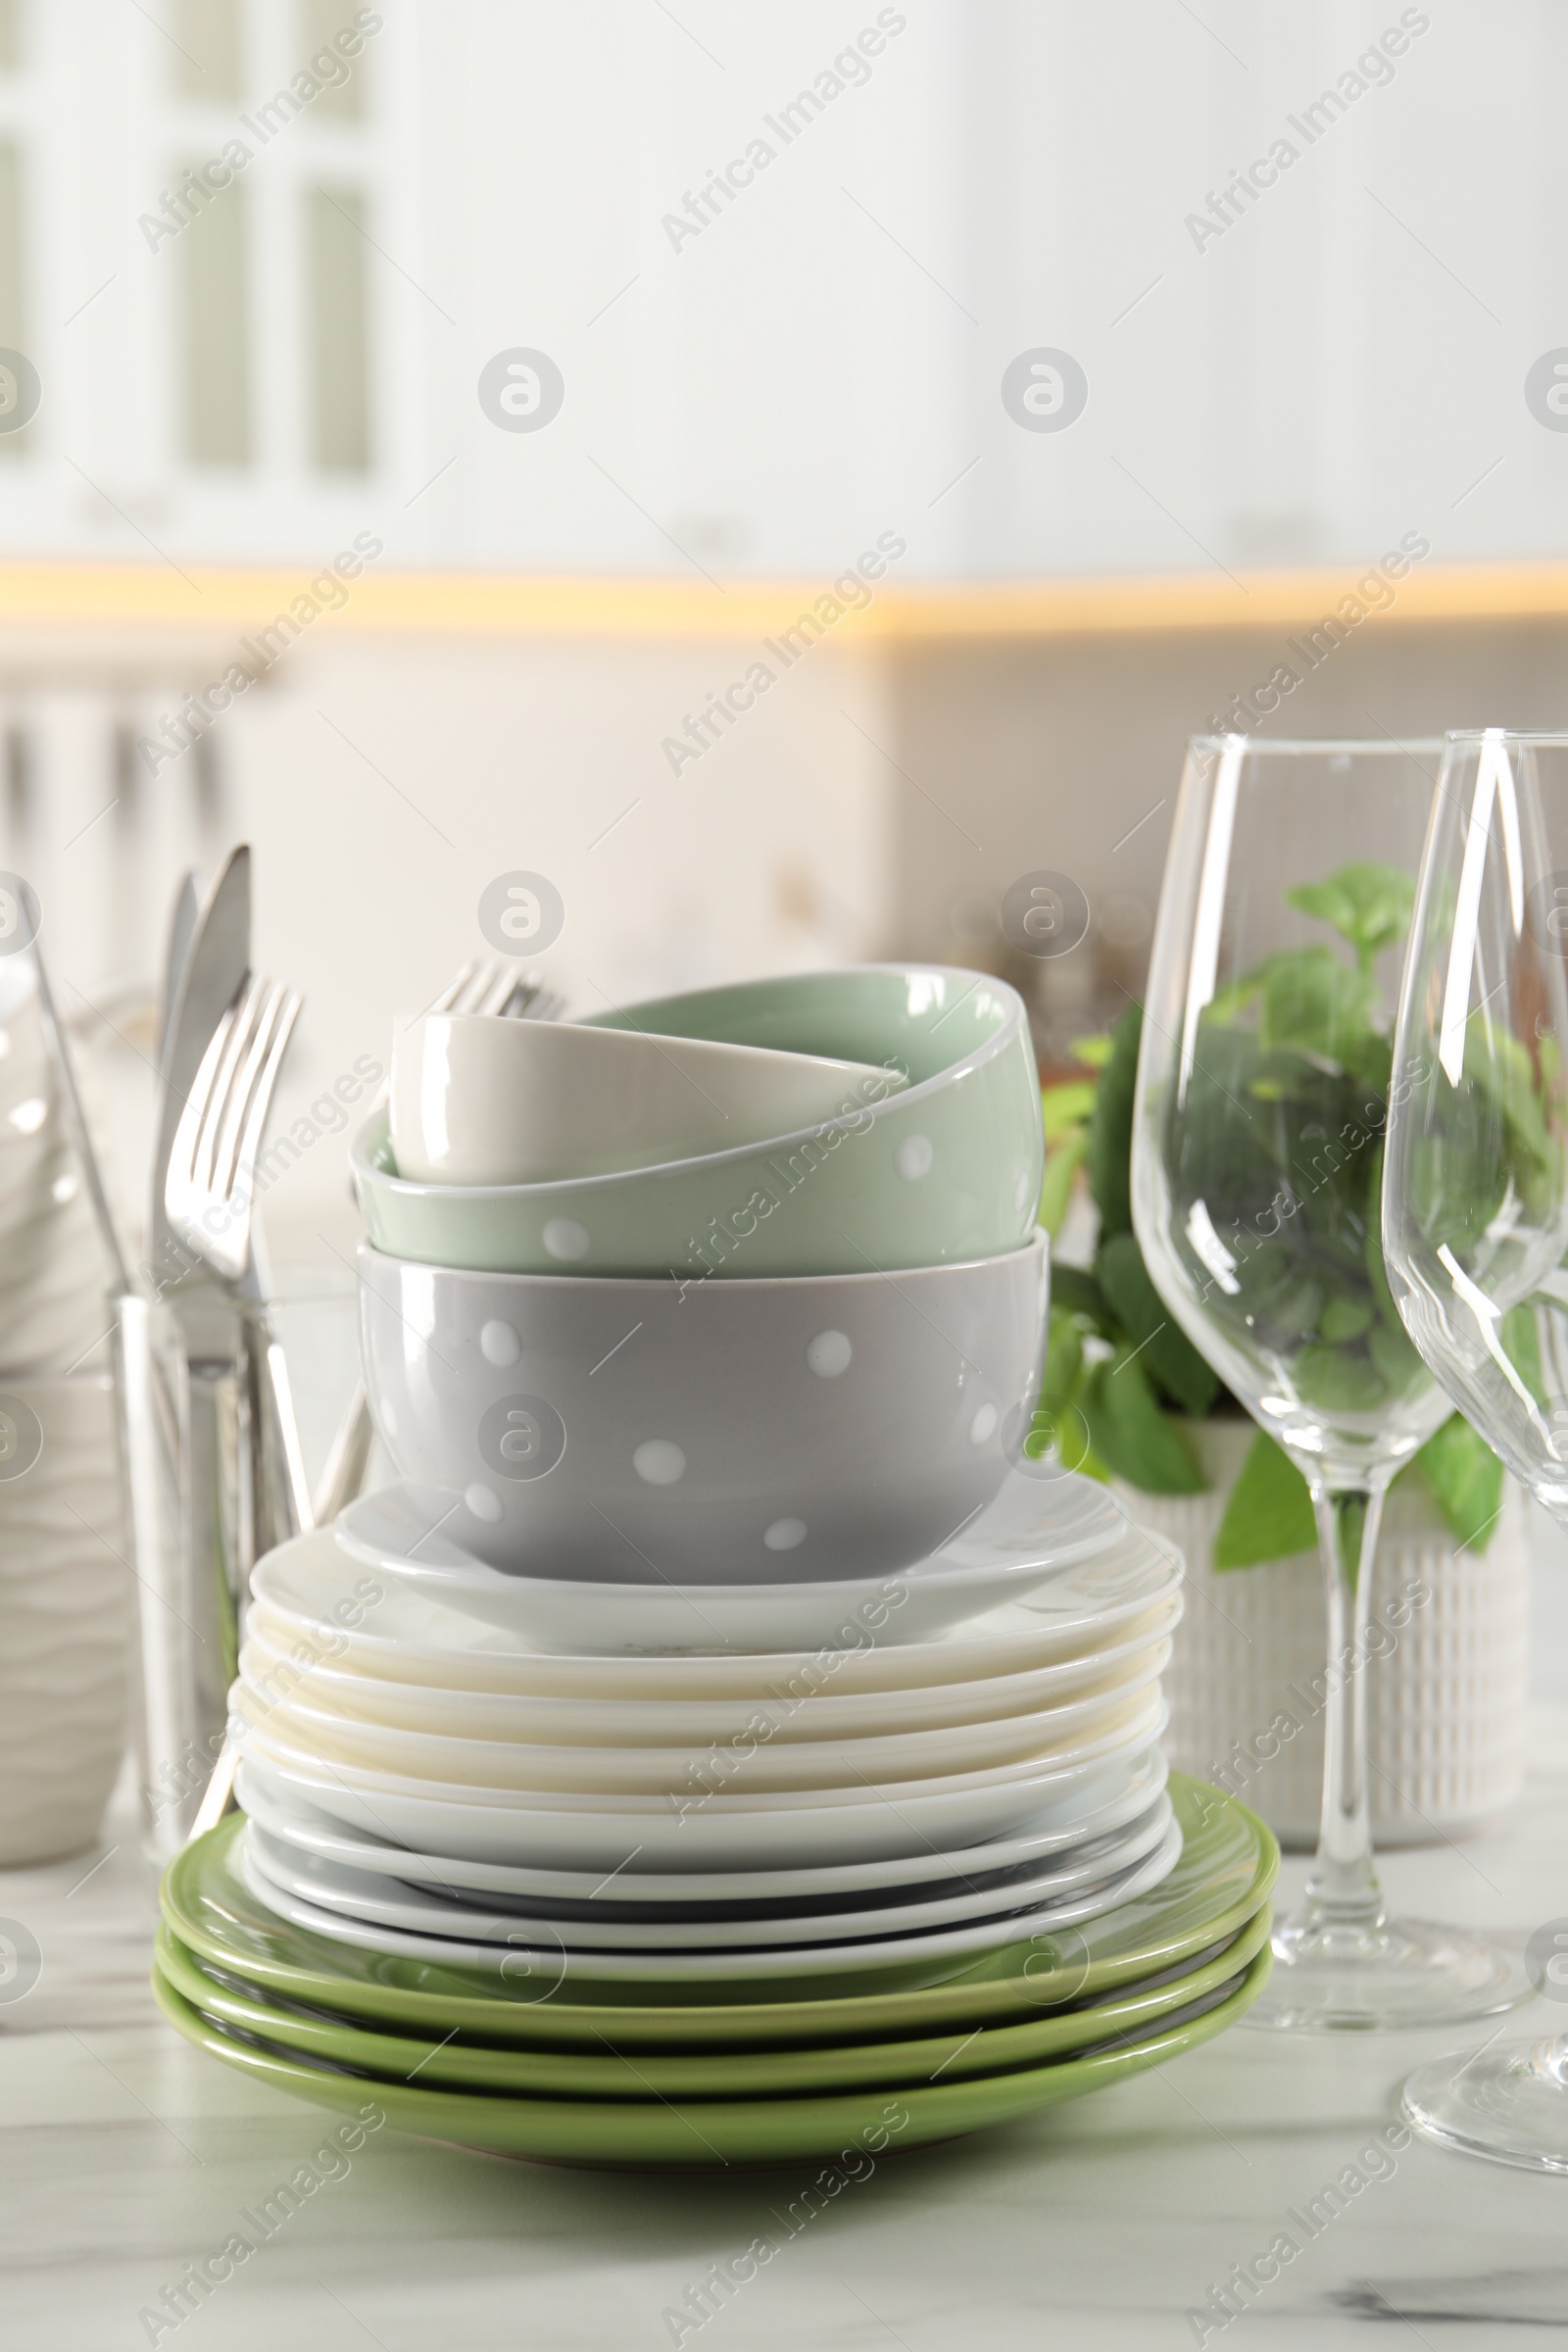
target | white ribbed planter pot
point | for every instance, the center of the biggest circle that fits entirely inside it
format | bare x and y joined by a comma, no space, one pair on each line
65,1625
1445,1704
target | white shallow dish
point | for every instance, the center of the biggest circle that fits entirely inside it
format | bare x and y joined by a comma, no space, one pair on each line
1014,1545
537,1962
1096,1802
376,1901
580,1831
314,1597
750,1766
277,1676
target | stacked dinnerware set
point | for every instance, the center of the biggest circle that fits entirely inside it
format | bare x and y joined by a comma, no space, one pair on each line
723,1744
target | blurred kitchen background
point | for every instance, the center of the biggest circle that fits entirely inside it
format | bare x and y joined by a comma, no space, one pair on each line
1025,301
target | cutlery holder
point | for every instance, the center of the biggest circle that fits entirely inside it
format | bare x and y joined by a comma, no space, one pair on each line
185,1443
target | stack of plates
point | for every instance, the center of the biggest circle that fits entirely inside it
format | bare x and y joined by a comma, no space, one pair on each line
724,2069
658,1902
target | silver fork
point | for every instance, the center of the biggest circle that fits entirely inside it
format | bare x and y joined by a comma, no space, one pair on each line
210,1198
210,1190
210,1195
486,986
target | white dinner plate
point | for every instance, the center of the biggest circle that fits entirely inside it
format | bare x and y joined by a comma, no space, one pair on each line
1100,1800
579,1832
738,1768
320,1603
376,1900
541,1961
268,1664
393,1535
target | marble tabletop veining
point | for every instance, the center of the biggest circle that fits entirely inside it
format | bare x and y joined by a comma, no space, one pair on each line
1102,2226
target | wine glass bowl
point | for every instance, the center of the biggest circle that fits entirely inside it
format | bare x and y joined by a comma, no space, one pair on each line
1475,1212
1475,1188
1258,1140
1264,1077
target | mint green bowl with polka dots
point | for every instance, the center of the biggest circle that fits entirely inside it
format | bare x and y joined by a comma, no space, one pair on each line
945,1171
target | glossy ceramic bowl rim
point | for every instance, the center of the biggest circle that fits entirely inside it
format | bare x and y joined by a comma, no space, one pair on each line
737,1286
376,1129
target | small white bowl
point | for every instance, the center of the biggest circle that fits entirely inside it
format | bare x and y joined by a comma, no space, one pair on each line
477,1099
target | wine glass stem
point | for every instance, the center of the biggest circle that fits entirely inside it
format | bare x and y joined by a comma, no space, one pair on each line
1342,1889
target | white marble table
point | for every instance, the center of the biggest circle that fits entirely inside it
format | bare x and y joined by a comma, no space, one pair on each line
125,2155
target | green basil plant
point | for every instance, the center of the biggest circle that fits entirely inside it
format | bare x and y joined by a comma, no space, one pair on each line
1298,1038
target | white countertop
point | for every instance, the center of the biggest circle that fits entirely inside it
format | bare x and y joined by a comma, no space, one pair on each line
124,2154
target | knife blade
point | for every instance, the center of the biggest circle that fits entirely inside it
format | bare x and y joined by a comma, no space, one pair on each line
214,967
181,926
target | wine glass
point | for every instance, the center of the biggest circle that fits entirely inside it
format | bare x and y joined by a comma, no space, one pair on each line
1475,1209
1257,1143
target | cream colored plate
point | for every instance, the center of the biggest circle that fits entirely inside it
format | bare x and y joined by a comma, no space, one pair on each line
745,1764
310,1600
580,1831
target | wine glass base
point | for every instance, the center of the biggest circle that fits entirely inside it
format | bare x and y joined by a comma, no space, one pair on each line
1507,2100
1377,1979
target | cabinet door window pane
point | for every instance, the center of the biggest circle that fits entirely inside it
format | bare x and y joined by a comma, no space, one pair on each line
207,39
339,326
218,407
321,24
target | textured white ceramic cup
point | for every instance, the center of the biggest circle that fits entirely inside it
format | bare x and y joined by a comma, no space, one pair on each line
1448,1675
482,1101
65,1616
53,1276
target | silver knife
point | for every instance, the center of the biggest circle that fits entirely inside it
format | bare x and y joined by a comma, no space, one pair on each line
207,1563
181,924
216,962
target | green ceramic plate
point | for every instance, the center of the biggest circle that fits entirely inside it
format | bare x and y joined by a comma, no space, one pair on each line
557,2074
945,1171
1228,1865
708,2134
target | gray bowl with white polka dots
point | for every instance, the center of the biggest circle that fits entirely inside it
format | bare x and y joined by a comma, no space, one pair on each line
787,1430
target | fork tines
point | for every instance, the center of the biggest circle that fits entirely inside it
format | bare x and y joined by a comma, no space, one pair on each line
210,1183
485,985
